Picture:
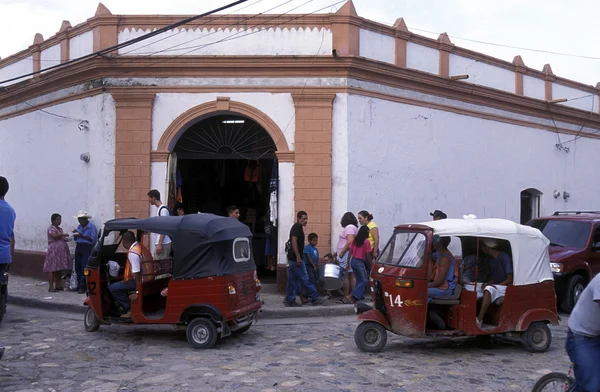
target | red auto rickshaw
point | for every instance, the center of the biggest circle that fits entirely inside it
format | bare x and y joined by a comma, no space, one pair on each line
209,285
399,280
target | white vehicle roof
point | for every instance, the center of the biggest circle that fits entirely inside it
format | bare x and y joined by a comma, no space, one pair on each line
531,262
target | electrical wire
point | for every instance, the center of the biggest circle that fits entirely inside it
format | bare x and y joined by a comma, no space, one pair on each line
584,124
512,47
54,114
130,42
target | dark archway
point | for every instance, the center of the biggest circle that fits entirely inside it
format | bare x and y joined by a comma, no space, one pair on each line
531,204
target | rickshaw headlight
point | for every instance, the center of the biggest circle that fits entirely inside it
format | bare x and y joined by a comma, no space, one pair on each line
86,272
232,290
556,267
406,284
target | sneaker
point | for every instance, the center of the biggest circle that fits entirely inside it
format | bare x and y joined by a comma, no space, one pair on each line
291,304
318,301
126,315
81,291
479,323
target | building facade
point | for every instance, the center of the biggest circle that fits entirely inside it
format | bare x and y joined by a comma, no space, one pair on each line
353,114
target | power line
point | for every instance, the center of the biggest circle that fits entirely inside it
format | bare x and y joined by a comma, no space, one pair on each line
130,42
512,47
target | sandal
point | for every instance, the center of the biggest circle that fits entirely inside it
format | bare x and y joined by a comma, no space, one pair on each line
53,290
346,300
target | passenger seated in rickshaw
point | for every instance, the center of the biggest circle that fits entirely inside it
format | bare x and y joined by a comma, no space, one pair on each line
501,275
131,277
441,271
475,268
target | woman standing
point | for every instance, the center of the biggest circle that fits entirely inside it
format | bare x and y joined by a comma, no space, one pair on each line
361,256
346,237
58,257
366,219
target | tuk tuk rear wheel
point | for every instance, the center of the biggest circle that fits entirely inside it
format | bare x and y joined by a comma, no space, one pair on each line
370,336
201,333
537,338
90,321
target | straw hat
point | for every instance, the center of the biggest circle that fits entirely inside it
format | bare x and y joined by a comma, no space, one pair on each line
83,214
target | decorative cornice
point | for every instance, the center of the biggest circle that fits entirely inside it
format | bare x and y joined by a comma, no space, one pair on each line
313,100
285,156
159,156
131,98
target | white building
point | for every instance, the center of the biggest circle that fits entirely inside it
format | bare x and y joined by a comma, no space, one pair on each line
355,114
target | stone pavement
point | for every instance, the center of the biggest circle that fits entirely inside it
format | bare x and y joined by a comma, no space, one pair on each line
33,292
49,351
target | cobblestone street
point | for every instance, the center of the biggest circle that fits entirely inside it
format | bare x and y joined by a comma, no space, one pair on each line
50,351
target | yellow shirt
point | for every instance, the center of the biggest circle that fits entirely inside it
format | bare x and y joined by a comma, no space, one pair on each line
371,225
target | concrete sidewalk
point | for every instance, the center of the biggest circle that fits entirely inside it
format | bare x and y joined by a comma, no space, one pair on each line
33,292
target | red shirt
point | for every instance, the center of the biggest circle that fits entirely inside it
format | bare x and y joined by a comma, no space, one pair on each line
360,252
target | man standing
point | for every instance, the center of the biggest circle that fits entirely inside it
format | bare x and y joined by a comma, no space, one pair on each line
296,273
162,245
85,237
7,236
136,253
583,338
438,215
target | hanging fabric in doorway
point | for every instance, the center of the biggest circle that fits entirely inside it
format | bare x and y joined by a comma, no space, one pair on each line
179,186
252,173
273,193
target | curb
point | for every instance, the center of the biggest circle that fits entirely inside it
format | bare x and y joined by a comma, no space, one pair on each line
265,313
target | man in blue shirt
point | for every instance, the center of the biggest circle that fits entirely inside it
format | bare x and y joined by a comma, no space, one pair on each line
7,236
311,258
85,238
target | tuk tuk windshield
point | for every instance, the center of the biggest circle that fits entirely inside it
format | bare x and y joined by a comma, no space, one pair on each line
405,249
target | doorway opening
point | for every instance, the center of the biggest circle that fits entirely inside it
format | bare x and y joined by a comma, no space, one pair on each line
531,204
229,160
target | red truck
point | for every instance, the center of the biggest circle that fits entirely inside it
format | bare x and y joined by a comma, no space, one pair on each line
574,251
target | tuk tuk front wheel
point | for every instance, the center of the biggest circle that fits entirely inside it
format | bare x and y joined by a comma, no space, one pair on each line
90,321
201,333
370,336
537,338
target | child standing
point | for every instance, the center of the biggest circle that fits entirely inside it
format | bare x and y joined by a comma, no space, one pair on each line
361,255
311,258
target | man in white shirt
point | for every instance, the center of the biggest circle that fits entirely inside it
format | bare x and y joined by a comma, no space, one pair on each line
136,253
162,243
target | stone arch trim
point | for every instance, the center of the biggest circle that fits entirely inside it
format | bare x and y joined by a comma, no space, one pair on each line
219,105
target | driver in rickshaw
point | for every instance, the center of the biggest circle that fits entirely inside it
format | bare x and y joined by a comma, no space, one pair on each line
441,271
136,253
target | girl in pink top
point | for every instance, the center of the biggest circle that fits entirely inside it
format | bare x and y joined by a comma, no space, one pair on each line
349,223
361,255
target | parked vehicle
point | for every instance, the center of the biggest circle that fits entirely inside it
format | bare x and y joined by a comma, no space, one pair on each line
399,281
574,251
211,282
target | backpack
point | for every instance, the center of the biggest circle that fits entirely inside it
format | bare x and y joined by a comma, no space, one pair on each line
161,208
288,247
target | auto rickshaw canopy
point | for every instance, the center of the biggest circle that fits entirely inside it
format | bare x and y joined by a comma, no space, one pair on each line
531,261
203,244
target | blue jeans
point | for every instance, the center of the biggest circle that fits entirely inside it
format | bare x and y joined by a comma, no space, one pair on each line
82,254
584,352
119,292
297,278
362,279
435,292
312,276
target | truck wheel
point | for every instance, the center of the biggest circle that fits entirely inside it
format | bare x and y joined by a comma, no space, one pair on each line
201,333
537,338
573,290
90,321
370,336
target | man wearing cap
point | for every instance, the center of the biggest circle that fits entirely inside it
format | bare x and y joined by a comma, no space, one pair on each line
438,215
85,237
501,275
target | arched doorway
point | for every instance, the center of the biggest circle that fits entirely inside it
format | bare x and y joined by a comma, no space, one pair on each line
531,204
228,159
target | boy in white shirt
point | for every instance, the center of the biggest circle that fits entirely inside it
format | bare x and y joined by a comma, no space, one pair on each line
162,248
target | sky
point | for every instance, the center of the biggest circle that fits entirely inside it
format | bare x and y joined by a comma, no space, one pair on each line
549,25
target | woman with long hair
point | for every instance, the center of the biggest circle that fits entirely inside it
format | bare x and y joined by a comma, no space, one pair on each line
349,230
361,255
58,256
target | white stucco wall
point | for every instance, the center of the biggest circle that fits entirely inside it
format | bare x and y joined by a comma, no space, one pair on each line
285,208
422,58
168,106
81,44
50,57
339,165
406,161
39,155
482,74
21,67
253,41
533,87
377,46
576,98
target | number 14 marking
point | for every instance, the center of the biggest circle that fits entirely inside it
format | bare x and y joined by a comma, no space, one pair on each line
394,302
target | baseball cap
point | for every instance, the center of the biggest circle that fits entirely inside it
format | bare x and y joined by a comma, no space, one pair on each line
438,214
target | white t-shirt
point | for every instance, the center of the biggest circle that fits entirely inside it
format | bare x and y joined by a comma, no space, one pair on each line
134,260
162,211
